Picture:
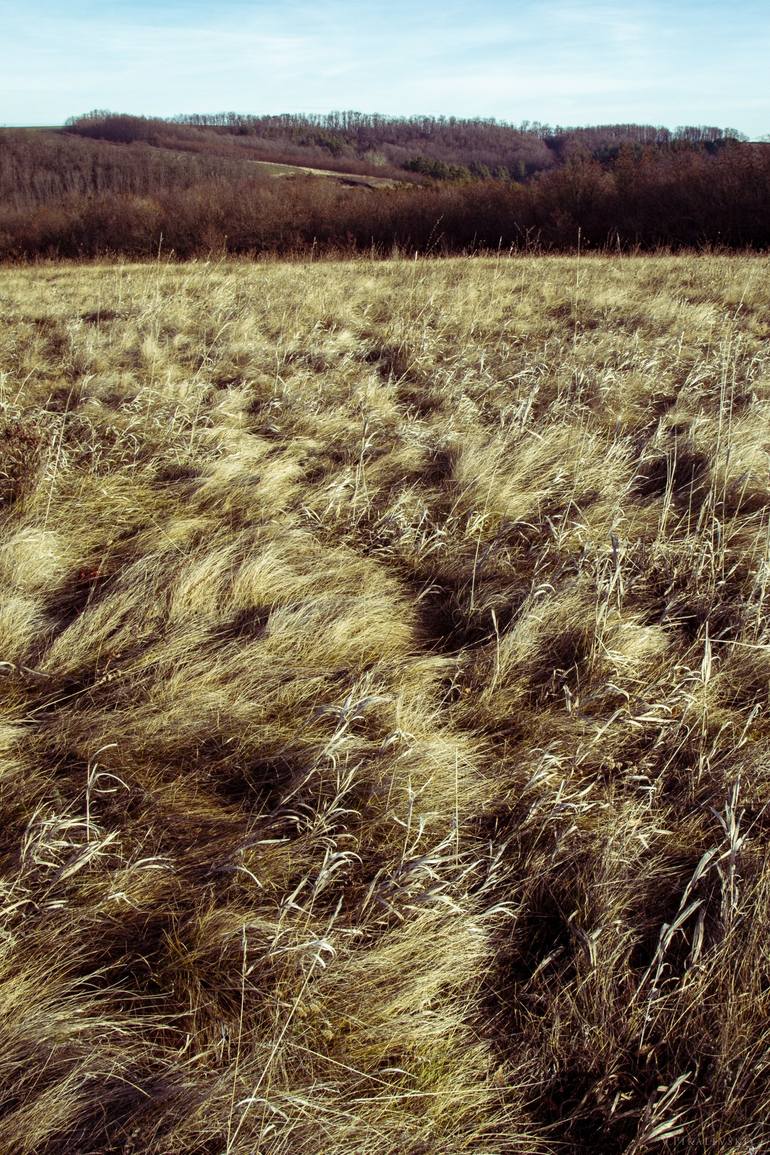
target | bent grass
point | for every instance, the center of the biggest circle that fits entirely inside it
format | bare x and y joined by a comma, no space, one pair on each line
383,741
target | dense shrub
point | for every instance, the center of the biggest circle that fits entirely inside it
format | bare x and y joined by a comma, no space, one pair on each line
71,196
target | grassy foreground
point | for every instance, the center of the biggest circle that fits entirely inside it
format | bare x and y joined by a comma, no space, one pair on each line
384,746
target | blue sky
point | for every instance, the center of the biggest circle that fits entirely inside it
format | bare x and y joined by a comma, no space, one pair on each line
557,61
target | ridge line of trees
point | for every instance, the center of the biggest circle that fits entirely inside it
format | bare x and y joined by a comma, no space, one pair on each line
448,148
115,184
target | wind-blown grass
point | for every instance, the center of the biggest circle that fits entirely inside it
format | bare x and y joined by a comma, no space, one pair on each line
384,751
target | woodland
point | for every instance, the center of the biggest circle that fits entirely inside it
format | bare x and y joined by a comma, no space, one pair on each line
124,185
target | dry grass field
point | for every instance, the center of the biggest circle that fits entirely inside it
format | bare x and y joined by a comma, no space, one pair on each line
276,169
384,736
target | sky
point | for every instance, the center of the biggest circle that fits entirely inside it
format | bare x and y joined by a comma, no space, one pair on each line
565,62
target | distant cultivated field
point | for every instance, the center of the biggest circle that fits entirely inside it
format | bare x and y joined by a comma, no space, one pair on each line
384,742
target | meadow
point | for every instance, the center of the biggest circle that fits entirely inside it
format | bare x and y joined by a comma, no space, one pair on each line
384,742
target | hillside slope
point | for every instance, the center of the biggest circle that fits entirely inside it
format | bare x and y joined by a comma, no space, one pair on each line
444,148
41,167
109,184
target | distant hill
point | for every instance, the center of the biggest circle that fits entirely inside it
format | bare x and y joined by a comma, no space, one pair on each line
443,148
115,182
44,166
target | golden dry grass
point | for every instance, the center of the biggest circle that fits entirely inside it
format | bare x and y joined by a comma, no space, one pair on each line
384,750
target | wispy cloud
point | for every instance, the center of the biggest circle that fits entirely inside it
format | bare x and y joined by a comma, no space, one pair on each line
561,61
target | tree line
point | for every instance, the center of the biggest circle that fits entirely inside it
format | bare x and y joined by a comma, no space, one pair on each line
447,148
76,194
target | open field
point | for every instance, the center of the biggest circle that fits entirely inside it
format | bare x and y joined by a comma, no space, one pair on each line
384,743
272,168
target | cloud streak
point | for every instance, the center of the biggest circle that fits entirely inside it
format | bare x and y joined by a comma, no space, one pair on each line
558,61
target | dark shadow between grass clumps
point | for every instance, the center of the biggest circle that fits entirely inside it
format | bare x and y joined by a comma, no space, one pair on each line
685,470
